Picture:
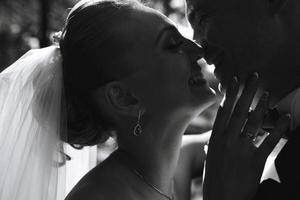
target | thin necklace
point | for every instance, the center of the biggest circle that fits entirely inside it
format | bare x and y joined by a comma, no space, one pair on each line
151,185
138,174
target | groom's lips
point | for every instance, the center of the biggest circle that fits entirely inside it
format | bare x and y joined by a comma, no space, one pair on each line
216,58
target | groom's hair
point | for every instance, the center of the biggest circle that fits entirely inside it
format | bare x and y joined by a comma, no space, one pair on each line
92,46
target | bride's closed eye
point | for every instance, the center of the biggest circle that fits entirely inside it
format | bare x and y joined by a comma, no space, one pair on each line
173,43
169,39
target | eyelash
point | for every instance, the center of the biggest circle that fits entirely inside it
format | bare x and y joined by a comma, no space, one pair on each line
175,45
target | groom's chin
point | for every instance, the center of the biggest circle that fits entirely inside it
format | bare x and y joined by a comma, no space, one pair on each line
223,82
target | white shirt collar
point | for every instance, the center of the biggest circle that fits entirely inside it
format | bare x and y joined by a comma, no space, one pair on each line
289,104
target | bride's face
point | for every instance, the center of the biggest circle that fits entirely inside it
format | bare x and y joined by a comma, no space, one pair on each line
167,77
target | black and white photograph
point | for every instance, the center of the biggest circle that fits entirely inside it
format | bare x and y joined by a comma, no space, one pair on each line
149,99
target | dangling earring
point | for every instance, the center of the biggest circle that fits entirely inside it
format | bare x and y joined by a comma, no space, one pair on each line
137,131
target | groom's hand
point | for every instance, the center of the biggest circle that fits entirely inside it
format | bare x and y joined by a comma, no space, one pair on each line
234,165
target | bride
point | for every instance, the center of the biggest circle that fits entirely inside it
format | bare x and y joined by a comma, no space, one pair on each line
123,69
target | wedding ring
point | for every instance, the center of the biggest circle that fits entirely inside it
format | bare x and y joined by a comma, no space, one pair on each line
251,136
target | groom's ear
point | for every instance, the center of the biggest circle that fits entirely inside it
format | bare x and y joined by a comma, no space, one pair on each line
276,5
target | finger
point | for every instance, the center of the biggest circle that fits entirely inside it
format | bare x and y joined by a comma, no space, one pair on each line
240,112
256,117
270,142
292,134
225,110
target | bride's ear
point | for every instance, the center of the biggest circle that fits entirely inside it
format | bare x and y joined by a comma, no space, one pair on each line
121,99
276,5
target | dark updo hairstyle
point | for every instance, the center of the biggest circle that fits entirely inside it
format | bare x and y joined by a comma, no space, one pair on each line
91,47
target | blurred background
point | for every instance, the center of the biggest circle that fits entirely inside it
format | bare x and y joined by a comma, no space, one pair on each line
29,24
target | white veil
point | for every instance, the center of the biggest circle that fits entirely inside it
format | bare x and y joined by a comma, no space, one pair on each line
30,127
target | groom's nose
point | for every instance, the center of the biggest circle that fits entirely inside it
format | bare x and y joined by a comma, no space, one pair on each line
213,53
194,50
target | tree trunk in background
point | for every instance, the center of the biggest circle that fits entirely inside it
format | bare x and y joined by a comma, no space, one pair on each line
44,23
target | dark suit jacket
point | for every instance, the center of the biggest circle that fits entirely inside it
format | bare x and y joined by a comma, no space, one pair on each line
287,165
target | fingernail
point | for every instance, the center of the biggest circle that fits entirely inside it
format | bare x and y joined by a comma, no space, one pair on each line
234,82
265,96
255,74
288,116
253,77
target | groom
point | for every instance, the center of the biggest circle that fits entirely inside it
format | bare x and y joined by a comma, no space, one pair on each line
244,36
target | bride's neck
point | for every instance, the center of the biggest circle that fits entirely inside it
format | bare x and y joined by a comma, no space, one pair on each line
154,154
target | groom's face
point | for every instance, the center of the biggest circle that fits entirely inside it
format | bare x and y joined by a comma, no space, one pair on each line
241,36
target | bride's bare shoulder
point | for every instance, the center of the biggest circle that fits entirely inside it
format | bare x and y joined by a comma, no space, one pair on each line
99,183
107,181
88,192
